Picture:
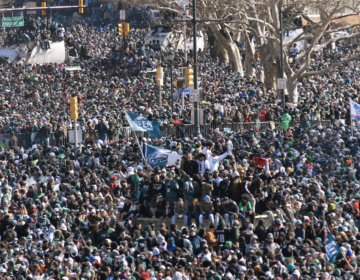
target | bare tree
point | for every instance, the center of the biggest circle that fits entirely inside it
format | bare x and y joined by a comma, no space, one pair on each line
260,19
221,32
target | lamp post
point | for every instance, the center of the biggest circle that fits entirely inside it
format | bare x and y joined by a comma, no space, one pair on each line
170,57
281,58
196,104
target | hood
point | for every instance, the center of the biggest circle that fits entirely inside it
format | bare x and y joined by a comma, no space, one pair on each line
252,237
51,229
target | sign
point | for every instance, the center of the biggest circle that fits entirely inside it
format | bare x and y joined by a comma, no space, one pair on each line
174,159
122,14
331,248
31,5
72,136
354,110
281,83
12,21
194,95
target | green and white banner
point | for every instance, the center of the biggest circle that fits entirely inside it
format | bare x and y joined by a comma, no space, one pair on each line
13,22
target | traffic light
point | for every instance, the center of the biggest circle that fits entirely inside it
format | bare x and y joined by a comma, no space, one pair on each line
189,77
81,3
44,5
127,29
179,83
120,29
160,76
74,110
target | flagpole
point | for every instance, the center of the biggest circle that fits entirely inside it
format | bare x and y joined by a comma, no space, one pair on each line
137,139
350,267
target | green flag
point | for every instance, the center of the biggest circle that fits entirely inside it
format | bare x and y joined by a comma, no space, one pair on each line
286,119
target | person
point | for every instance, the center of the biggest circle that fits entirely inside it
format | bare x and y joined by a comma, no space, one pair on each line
180,212
214,159
256,61
298,166
231,211
158,206
270,246
172,188
202,163
188,188
13,143
206,210
294,50
45,40
245,210
221,232
194,211
102,129
61,32
210,236
59,135
46,131
188,164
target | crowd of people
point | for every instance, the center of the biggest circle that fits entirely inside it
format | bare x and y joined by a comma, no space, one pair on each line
70,213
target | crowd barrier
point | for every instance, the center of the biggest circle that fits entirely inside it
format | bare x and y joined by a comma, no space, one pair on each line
26,140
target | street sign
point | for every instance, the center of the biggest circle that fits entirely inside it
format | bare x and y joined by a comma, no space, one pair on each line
281,83
122,14
31,5
194,95
12,21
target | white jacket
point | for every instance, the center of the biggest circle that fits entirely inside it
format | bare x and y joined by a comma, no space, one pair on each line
214,161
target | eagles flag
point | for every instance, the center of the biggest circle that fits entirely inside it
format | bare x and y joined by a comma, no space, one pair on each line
331,248
354,110
156,156
140,123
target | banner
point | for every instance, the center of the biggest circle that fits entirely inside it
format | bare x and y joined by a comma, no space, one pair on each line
140,123
354,110
174,159
156,156
331,248
12,21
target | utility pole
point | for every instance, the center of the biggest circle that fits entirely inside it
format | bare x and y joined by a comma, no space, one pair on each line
281,58
184,34
171,86
196,104
74,113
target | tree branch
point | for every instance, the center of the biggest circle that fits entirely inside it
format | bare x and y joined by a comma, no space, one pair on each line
341,28
258,20
331,67
335,39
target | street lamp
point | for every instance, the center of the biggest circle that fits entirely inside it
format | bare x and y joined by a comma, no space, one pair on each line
170,57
